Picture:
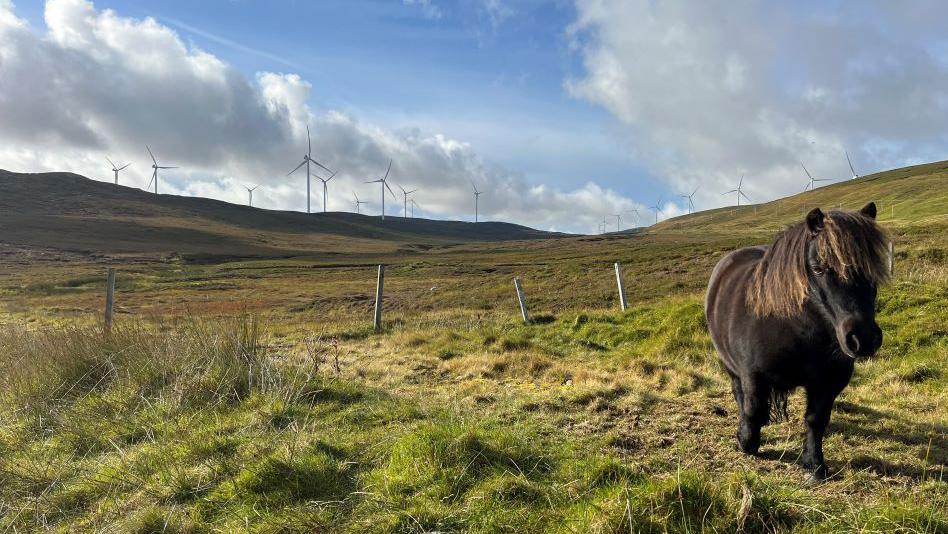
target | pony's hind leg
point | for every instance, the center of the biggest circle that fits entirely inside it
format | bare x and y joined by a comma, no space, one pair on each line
755,411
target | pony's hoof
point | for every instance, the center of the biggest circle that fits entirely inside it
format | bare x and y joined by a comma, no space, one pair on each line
817,476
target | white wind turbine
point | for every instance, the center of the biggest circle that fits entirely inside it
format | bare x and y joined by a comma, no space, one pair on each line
658,208
739,191
618,217
325,187
116,169
307,158
384,187
811,185
638,216
413,206
155,167
405,195
851,166
691,203
477,196
250,194
358,202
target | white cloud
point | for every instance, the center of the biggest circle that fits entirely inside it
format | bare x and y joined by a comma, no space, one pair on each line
710,92
97,84
497,11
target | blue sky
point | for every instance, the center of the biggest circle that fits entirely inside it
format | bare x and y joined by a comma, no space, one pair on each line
565,111
496,84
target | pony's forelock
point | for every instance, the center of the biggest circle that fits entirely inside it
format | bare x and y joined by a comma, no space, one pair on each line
850,244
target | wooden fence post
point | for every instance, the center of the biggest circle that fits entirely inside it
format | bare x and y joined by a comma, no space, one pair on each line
378,299
109,299
891,256
622,301
523,303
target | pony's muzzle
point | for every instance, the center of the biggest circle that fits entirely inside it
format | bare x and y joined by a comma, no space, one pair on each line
861,342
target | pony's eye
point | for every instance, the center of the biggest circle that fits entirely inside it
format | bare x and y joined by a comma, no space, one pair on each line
819,271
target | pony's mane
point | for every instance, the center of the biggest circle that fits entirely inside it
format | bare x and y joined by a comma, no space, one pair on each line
850,244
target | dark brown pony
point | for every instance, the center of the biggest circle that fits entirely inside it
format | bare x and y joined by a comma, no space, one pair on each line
798,313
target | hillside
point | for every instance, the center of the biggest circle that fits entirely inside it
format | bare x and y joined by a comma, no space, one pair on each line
70,212
916,196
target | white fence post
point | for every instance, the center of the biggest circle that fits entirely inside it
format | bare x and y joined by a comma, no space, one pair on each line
109,299
622,301
891,256
378,299
523,303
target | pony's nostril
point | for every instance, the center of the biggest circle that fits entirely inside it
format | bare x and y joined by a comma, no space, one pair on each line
852,342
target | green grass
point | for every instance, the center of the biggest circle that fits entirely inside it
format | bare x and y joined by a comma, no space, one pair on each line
253,394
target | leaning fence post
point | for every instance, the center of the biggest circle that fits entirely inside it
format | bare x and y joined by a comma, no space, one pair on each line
891,255
378,299
523,302
109,299
622,301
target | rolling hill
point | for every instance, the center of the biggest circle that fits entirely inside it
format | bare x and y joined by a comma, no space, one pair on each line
67,211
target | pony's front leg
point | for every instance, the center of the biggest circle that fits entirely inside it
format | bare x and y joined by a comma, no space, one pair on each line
755,411
819,405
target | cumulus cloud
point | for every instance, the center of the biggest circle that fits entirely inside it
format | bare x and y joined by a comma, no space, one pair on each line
710,92
98,84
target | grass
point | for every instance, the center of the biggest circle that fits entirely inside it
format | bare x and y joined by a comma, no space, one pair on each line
252,394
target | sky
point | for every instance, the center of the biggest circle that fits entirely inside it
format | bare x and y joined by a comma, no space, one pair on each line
564,112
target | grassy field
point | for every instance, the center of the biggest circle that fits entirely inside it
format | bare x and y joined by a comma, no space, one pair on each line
253,395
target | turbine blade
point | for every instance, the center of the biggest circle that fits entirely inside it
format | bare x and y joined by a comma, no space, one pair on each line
375,181
110,163
297,168
327,169
729,192
412,191
124,167
389,189
745,196
806,171
850,164
309,142
152,155
167,167
387,170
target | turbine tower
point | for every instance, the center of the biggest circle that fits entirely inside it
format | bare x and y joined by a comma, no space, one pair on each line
116,169
358,202
618,217
250,194
851,166
739,191
384,187
658,208
154,172
477,195
307,159
405,195
691,203
811,185
413,206
325,188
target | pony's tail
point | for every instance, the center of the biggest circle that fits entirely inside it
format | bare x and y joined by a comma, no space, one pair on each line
778,406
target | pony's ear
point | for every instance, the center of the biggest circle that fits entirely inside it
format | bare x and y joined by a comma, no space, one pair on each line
869,210
814,221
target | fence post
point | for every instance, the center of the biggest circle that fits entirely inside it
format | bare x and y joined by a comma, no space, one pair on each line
622,301
109,299
891,256
378,299
523,303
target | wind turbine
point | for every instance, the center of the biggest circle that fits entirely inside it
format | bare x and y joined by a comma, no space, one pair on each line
250,193
812,183
739,191
116,169
384,187
658,209
691,203
155,167
851,166
618,222
477,195
413,206
325,188
405,195
604,224
358,202
307,158
638,216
